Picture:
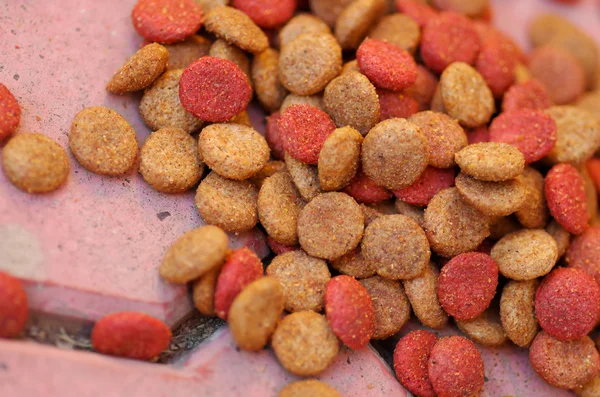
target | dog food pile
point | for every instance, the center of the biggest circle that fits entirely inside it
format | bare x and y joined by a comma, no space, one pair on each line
415,160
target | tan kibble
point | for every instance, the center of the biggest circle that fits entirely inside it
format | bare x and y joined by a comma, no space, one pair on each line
270,169
170,162
417,214
102,141
160,106
210,4
242,118
293,99
35,163
437,103
591,102
328,10
265,69
546,26
583,48
255,312
303,279
233,151
392,309
339,158
351,66
526,254
491,161
309,62
503,225
517,311
231,205
309,387
534,213
203,294
484,330
578,135
422,295
302,23
354,264
351,100
560,235
236,28
330,226
305,344
466,95
398,29
590,389
222,49
181,55
145,66
194,254
305,177
356,19
394,153
492,198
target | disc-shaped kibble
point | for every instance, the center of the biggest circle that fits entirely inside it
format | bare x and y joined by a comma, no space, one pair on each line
430,183
584,252
492,198
467,285
422,13
354,264
565,193
566,303
466,96
527,95
387,65
566,365
203,292
393,104
350,311
166,21
483,330
496,63
309,387
422,295
10,112
362,189
339,158
583,48
305,177
534,212
304,343
214,89
328,10
35,163
399,29
517,312
491,161
394,153
265,69
330,226
355,20
299,24
424,87
181,55
231,205
303,279
267,13
396,246
309,62
577,135
141,70
411,357
391,306
455,367
236,28
14,308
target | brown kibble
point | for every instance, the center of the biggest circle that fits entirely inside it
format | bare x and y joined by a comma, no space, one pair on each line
242,118
309,387
303,279
231,205
265,69
309,62
233,151
392,309
302,23
466,96
517,312
194,254
237,28
453,227
356,19
424,89
534,213
145,66
210,4
351,100
483,330
560,235
102,141
170,162
491,161
181,55
590,389
339,158
328,10
351,66
422,294
354,264
35,163
305,177
222,49
270,169
330,226
255,312
396,246
578,135
492,198
503,225
394,154
203,294
305,344
398,29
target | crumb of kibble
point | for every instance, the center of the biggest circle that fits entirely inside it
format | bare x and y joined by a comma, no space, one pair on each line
145,66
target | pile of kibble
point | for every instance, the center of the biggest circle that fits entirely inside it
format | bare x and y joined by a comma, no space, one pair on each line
415,160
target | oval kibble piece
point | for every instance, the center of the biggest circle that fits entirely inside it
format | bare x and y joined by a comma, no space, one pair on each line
305,177
255,312
203,292
483,330
565,194
167,21
299,24
422,295
328,10
517,312
398,29
14,309
354,264
355,20
265,69
237,28
496,63
492,198
339,158
491,161
577,135
145,66
387,65
391,306
309,387
534,212
10,112
411,357
421,12
181,55
584,252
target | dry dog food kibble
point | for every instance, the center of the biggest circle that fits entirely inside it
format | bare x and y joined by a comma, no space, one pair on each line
387,65
483,330
411,358
354,264
339,158
421,12
309,387
222,49
565,193
517,311
491,161
181,55
527,95
422,295
236,28
10,112
272,136
424,87
492,198
293,99
203,294
355,20
305,177
141,70
496,63
166,21
430,183
584,252
534,212
267,13
391,306
299,24
14,308
393,104
364,190
265,69
398,29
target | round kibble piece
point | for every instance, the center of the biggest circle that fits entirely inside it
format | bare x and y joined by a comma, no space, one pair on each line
10,112
303,279
422,295
181,55
430,183
267,13
141,70
391,306
350,311
455,367
394,153
527,95
231,205
339,158
517,312
566,365
214,89
309,62
14,308
398,29
421,12
236,28
467,285
309,387
102,141
565,193
265,69
355,20
411,358
387,65
203,294
330,226
396,246
35,163
496,63
354,264
492,198
584,252
583,48
299,24
305,177
393,104
304,343
166,21
466,96
566,303
483,330
544,27
577,135
328,10
255,312
491,161
193,254
364,190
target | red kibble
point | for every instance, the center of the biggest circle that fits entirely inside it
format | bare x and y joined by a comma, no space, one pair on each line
565,194
528,95
10,112
496,63
13,306
267,13
387,65
214,89
350,312
567,303
593,167
240,269
420,12
531,131
303,130
395,104
456,368
411,358
481,134
166,21
467,285
278,248
362,189
131,335
272,136
431,182
488,32
584,252
448,38
424,87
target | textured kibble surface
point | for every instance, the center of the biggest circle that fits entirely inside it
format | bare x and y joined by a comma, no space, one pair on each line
491,161
10,112
430,183
267,13
411,358
492,198
484,330
526,95
166,21
236,28
398,29
364,190
265,69
420,12
339,158
329,10
355,20
203,292
565,193
182,54
577,135
496,63
305,177
13,306
387,65
354,264
299,24
422,295
393,104
222,49
534,212
517,312
584,252
309,387
140,70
